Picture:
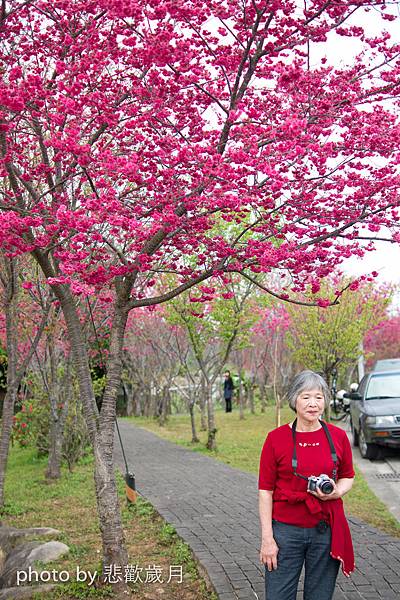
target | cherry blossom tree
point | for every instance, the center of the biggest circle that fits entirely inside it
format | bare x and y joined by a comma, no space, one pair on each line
269,357
383,340
192,137
151,361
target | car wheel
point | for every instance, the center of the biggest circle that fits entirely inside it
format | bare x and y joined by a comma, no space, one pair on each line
354,433
371,451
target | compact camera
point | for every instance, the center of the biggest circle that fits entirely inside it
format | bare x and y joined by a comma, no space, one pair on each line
322,482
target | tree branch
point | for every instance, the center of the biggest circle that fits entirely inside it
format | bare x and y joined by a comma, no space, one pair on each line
35,342
279,296
171,294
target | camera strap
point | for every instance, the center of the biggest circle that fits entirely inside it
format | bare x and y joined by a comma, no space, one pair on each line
331,446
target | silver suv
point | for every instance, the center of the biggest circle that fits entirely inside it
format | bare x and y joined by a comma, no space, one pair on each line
375,412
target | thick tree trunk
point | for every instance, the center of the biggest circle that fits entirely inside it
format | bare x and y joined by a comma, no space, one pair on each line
101,430
212,431
106,489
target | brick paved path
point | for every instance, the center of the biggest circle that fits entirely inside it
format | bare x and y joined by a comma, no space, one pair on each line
214,509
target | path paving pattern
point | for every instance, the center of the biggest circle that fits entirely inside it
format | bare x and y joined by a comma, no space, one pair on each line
213,507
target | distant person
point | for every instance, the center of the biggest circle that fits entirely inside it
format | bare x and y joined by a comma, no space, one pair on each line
228,391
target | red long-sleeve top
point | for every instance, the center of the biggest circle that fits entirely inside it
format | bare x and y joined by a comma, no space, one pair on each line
292,504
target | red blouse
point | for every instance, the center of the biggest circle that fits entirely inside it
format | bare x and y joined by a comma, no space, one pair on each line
313,458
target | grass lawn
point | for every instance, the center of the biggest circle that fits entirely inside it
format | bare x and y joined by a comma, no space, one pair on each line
69,506
239,445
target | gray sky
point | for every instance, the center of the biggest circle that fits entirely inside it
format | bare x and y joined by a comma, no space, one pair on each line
386,258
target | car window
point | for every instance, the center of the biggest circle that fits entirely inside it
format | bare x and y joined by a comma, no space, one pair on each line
384,385
363,383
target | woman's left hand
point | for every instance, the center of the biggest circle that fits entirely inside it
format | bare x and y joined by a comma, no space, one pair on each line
334,495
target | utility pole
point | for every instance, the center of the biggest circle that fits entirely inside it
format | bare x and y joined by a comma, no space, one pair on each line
360,363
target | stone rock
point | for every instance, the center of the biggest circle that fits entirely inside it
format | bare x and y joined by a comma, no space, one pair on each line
10,536
48,551
15,593
15,532
25,555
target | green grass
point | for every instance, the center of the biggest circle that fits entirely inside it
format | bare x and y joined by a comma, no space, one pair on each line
69,506
239,444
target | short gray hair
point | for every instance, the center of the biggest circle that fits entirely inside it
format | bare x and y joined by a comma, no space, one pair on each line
305,381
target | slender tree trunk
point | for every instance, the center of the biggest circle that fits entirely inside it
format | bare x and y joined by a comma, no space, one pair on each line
156,399
251,395
6,427
262,396
146,400
276,391
277,409
350,376
168,406
240,396
53,470
11,313
203,405
212,430
16,365
195,439
130,407
139,410
328,378
164,406
58,416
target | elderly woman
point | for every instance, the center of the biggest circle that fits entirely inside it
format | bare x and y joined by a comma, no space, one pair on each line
305,469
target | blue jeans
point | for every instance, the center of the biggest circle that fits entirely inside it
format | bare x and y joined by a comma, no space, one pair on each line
298,546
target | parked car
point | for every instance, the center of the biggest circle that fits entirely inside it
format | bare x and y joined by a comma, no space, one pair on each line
375,412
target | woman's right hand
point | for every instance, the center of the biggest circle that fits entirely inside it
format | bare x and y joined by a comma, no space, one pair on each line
269,554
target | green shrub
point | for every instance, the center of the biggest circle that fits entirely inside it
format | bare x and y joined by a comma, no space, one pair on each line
23,423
